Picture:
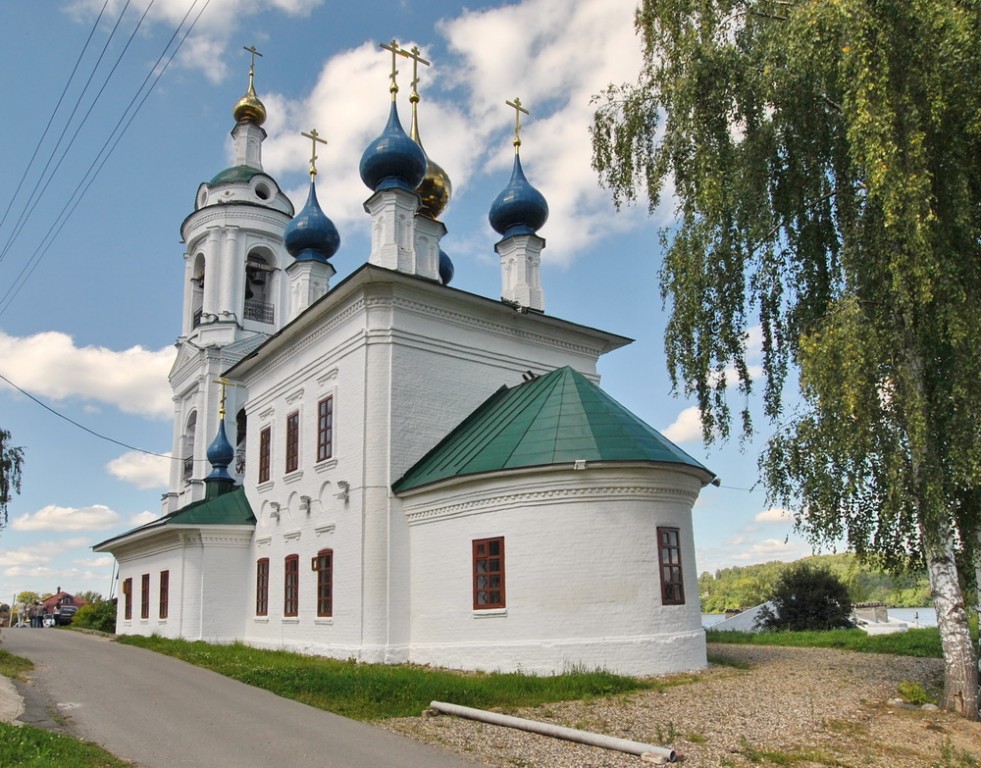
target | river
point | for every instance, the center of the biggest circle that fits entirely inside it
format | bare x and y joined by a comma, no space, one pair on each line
924,617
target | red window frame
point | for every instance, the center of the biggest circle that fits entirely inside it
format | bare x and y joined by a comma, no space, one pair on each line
265,454
325,428
293,442
128,599
145,596
488,573
262,587
669,559
323,564
164,594
291,586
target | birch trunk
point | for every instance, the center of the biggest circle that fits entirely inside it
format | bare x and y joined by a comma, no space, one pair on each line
960,663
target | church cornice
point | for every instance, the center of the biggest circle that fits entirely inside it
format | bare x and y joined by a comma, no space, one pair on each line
240,210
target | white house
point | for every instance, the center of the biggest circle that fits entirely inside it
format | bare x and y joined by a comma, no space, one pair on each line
419,474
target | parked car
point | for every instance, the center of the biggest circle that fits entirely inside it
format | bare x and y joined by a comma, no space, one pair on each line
66,614
48,620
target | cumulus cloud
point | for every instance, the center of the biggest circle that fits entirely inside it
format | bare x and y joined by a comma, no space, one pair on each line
51,365
141,469
772,549
143,518
22,557
103,561
686,428
775,515
53,518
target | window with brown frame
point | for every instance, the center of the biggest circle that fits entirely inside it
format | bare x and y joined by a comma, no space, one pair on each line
128,599
265,450
488,573
291,586
293,441
262,587
164,593
669,557
325,429
145,596
324,563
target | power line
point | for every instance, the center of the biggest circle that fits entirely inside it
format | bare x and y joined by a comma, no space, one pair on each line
83,427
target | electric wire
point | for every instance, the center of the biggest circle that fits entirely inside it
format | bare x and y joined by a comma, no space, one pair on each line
90,175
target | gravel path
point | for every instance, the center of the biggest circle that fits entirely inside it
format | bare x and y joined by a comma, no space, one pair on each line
761,706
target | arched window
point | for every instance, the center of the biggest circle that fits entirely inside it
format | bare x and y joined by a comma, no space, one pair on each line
240,428
187,448
197,290
259,294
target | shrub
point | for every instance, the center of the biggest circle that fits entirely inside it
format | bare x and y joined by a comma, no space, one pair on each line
100,615
807,598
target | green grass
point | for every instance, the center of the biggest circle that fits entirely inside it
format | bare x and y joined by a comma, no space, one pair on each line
29,747
13,666
924,643
379,691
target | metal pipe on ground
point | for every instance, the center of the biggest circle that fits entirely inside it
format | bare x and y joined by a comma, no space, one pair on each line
557,731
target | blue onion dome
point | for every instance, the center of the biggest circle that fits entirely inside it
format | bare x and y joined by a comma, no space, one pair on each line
445,267
393,160
220,454
519,209
310,235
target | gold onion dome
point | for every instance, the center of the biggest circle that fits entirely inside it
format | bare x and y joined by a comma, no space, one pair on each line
249,109
435,189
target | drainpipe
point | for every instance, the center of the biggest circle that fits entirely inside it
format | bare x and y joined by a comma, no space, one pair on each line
647,752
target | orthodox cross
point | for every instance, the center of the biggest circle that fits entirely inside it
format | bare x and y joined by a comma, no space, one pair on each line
416,61
251,49
314,139
396,51
518,109
224,383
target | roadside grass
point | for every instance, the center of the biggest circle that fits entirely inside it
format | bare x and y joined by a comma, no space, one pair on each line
14,666
923,643
381,691
29,747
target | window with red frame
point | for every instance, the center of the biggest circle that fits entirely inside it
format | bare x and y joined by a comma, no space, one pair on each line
128,599
291,586
324,564
669,556
265,451
164,593
325,429
488,573
145,596
293,441
262,587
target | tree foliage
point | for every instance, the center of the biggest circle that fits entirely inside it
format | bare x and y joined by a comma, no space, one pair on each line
807,598
824,159
11,463
99,615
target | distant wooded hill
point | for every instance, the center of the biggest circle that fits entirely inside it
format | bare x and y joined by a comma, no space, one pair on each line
743,587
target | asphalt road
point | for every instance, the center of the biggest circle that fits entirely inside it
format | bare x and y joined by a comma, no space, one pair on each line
159,712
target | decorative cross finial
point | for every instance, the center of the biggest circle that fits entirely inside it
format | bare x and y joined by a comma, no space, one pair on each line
224,383
251,49
314,140
416,61
396,51
518,109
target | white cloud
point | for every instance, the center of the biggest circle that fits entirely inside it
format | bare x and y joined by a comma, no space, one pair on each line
50,365
775,515
103,561
686,428
54,518
141,469
773,549
143,518
22,557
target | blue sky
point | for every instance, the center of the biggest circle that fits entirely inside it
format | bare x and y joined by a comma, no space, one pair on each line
91,268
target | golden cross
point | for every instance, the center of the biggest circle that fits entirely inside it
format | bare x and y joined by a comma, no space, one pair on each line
416,61
396,51
224,383
315,138
518,109
251,49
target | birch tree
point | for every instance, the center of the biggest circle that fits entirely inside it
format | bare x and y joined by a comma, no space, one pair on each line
825,159
11,461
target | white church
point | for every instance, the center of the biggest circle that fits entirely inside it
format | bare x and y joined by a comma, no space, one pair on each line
389,469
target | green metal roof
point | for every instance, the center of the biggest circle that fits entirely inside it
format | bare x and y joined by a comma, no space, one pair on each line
558,418
237,173
230,508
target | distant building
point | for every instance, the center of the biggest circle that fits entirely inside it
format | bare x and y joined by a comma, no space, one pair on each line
417,473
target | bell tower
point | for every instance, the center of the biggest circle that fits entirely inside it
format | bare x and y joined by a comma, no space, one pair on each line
235,296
